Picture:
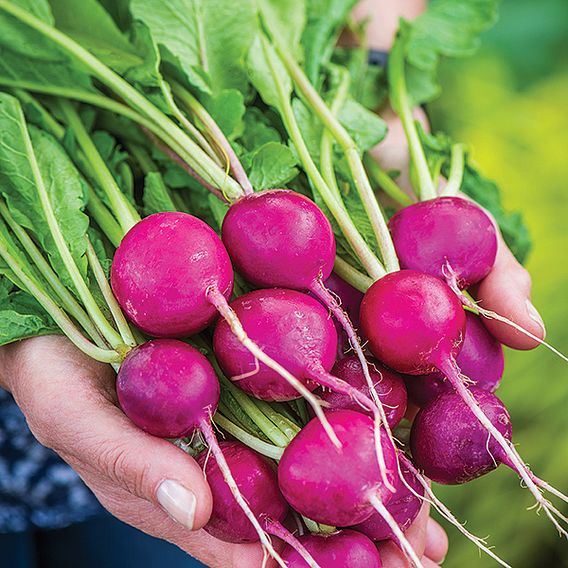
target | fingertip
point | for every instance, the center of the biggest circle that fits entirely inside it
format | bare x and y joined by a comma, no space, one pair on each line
437,543
506,290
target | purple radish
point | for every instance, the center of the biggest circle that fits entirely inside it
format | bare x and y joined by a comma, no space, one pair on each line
169,389
346,548
350,297
480,358
257,481
279,238
415,324
452,230
164,269
339,486
292,329
450,446
404,506
388,384
171,275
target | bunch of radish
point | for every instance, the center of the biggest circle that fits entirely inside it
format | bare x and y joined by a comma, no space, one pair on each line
284,347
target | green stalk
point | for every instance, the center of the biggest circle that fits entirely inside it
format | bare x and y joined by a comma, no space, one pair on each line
326,147
192,153
287,427
351,275
401,104
67,299
456,171
121,207
142,158
359,245
268,450
354,161
385,182
267,427
100,277
96,207
104,218
89,302
218,136
56,313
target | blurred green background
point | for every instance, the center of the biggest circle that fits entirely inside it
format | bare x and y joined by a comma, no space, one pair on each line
510,104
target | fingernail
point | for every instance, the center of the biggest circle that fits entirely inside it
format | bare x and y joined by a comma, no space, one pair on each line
536,317
178,502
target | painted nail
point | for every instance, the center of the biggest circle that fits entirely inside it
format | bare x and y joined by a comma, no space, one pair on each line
178,502
535,316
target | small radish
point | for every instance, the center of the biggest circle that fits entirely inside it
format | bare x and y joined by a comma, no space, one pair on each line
452,230
171,275
404,506
294,330
280,238
388,384
415,325
169,389
346,548
339,486
257,481
480,358
162,271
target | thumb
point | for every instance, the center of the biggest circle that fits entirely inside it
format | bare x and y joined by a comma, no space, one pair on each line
506,290
69,402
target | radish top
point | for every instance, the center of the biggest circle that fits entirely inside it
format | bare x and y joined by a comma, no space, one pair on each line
279,238
162,270
166,387
289,326
413,321
452,229
257,481
449,443
333,485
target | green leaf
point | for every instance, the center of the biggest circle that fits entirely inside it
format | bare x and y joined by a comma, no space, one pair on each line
227,108
62,182
285,21
448,28
22,317
365,127
207,40
218,210
272,165
156,195
28,59
89,24
325,18
258,129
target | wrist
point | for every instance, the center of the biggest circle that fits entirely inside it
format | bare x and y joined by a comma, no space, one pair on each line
383,17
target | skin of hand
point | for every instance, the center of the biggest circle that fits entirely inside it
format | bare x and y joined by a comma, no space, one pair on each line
70,404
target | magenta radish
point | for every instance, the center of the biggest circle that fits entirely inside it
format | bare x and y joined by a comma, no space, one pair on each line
169,389
388,385
452,230
292,329
404,506
480,358
339,486
415,324
280,238
349,297
346,548
257,481
162,271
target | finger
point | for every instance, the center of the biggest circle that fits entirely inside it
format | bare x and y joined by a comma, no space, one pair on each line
507,291
392,153
436,546
96,438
